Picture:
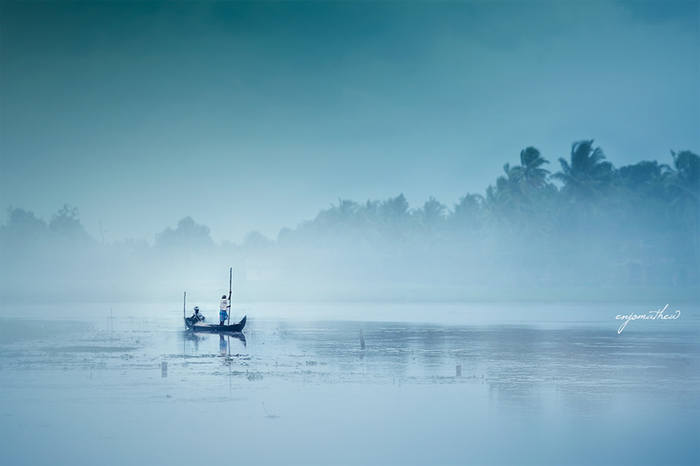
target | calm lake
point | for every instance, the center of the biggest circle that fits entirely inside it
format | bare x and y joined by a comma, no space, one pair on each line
510,383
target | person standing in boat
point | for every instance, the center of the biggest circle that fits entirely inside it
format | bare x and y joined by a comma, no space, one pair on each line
224,308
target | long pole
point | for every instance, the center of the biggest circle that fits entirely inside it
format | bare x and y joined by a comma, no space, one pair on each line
184,305
230,281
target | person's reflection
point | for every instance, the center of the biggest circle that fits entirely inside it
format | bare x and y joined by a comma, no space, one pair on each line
223,347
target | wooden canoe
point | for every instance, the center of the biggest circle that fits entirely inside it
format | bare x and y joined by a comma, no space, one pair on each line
215,328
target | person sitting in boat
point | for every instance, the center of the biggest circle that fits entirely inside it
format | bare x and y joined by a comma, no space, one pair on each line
197,317
224,308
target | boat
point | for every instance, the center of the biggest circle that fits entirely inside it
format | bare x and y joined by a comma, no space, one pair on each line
197,325
214,328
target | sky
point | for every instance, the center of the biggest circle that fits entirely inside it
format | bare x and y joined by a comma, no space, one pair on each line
254,116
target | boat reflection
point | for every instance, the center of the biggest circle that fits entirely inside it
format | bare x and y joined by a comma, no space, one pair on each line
225,345
224,340
235,335
199,337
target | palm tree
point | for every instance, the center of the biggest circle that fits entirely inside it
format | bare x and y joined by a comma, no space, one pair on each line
338,216
686,179
505,201
513,191
529,175
587,174
517,190
346,209
469,210
502,193
684,185
394,208
646,173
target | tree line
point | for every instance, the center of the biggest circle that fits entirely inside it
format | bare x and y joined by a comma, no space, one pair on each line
585,225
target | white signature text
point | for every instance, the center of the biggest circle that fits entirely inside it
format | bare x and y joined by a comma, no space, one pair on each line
651,315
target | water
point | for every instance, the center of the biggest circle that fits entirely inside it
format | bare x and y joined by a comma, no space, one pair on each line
540,384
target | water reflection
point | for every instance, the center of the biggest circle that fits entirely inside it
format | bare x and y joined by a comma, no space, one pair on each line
224,339
515,361
459,385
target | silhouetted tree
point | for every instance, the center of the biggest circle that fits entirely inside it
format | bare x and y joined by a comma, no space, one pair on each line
587,175
66,224
469,211
505,196
394,209
684,184
433,212
645,178
605,227
256,241
187,234
529,175
23,225
686,179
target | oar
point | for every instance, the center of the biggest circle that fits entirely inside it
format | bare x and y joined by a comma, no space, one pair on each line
184,304
230,280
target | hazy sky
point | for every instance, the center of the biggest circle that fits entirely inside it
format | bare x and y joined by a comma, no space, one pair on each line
255,116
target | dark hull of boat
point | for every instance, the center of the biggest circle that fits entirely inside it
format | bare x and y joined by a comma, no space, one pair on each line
215,328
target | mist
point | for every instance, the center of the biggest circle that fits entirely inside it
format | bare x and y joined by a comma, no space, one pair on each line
586,230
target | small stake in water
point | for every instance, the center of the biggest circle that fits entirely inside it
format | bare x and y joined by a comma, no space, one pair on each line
268,415
164,369
458,370
362,340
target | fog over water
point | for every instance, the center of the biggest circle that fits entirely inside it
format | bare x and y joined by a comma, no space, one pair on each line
588,231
